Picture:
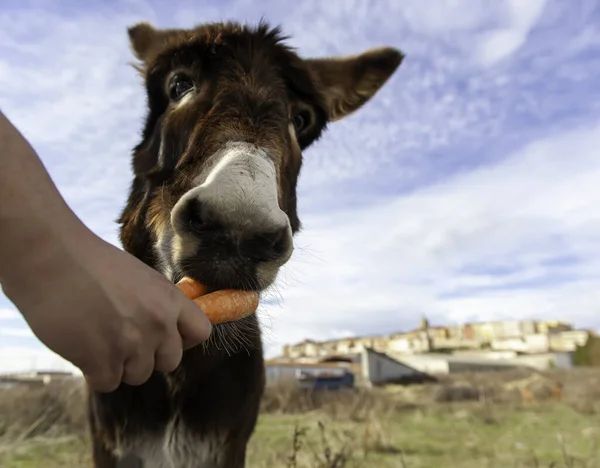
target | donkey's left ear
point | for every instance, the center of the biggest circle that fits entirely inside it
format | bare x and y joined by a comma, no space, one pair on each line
349,82
143,37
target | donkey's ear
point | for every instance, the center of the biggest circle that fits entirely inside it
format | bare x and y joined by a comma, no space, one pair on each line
349,82
143,37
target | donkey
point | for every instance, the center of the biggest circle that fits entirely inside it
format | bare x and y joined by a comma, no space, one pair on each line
213,197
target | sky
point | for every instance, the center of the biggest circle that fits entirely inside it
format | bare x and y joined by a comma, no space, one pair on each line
467,189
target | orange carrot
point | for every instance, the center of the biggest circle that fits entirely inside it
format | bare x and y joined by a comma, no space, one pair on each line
225,305
228,305
191,288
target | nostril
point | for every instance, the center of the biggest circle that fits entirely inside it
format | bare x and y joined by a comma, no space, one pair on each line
195,215
267,246
279,241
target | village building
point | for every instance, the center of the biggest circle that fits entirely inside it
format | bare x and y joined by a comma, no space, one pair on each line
472,346
367,367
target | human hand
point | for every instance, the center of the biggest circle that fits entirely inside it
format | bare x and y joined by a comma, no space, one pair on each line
105,311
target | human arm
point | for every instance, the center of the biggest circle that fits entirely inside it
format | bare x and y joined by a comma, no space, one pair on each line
100,308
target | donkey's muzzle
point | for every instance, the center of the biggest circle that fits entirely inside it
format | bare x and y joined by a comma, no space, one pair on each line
233,216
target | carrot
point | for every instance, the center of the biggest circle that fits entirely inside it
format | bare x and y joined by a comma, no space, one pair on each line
191,288
225,305
228,305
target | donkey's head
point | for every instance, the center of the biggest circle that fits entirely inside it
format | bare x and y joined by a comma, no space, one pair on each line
230,110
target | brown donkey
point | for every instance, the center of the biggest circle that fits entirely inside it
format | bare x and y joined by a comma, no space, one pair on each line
230,110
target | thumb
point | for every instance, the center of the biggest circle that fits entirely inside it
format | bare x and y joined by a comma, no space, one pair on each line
193,325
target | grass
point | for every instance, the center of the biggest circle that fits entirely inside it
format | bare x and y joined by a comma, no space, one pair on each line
417,426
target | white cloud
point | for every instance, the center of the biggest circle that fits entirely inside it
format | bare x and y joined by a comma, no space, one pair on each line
8,314
18,332
501,43
439,17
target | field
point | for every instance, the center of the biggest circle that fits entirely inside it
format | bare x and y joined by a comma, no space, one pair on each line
508,419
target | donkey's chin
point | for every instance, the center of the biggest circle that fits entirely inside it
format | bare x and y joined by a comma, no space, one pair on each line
240,335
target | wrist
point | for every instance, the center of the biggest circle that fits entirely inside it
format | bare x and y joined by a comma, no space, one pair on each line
39,234
33,248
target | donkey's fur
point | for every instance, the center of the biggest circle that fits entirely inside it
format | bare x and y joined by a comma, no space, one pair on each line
230,110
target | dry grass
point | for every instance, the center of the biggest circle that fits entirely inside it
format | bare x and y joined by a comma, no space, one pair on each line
467,421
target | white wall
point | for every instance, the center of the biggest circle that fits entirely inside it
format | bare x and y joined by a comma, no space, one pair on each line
424,363
538,343
535,343
485,354
569,340
444,364
379,369
546,360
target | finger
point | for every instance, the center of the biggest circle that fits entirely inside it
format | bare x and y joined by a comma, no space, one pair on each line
104,380
138,368
168,355
193,324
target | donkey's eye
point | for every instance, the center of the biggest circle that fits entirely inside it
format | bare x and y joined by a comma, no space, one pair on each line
301,120
179,85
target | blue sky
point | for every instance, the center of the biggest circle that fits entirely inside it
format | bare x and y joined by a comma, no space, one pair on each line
467,189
